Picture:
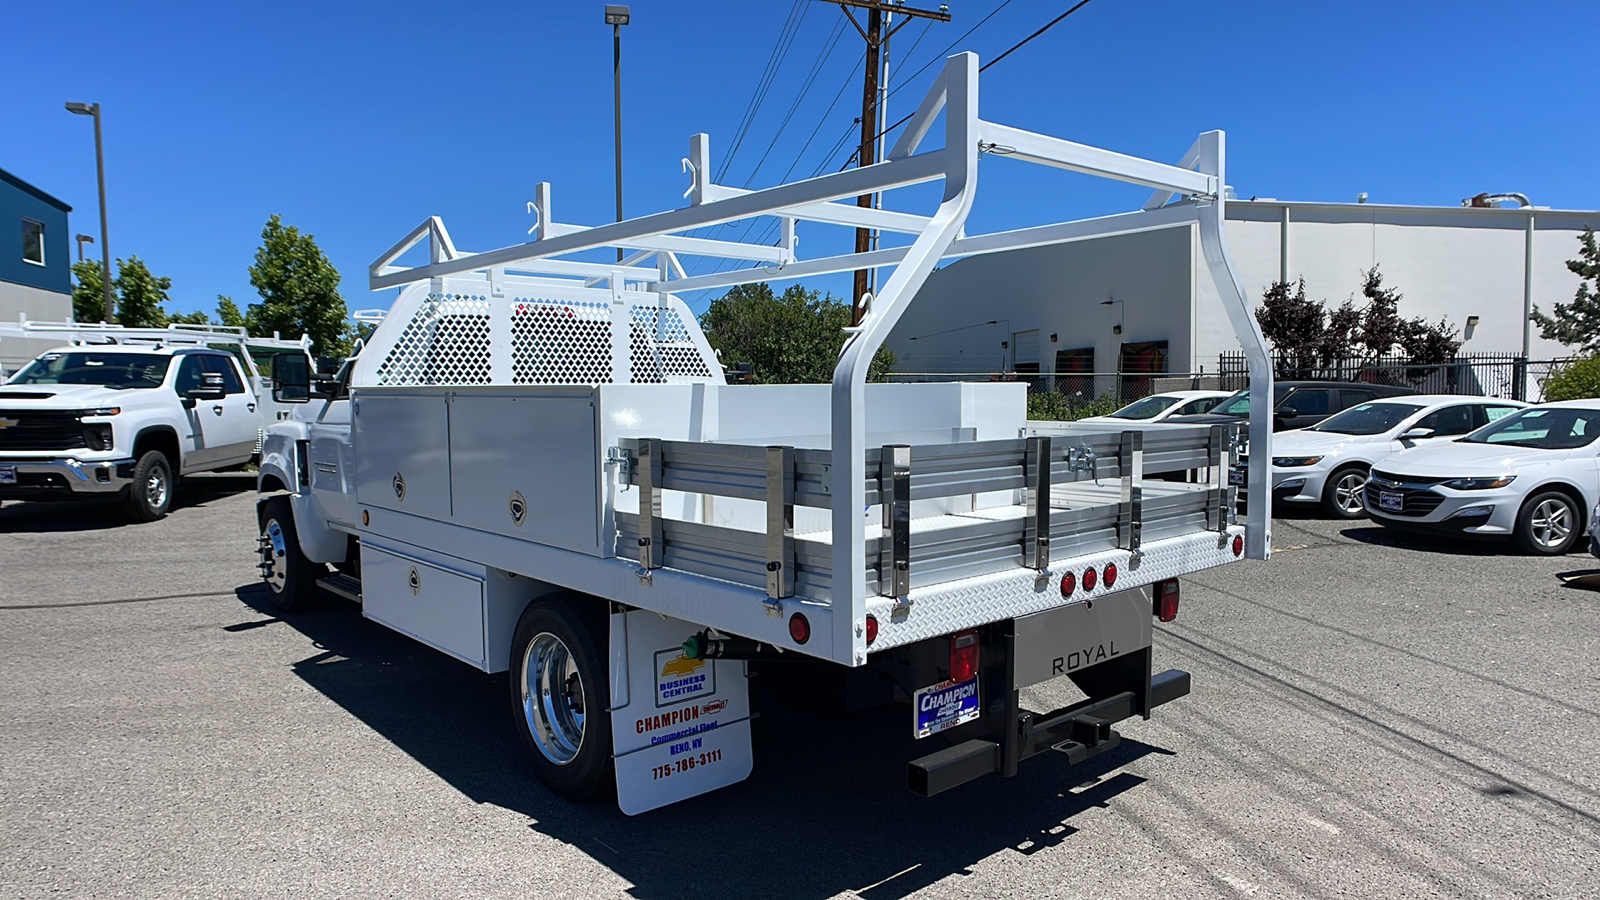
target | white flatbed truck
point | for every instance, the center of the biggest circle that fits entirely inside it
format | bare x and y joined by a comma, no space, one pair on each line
535,465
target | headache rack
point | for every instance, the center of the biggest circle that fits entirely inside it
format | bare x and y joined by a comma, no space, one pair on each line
938,508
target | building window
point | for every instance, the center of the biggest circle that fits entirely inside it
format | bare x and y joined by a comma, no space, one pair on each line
33,242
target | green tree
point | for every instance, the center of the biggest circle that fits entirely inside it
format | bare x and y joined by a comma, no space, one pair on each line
140,295
299,290
792,338
88,294
1577,324
228,312
1577,380
198,317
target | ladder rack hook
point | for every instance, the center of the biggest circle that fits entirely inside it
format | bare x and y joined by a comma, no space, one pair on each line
694,176
534,209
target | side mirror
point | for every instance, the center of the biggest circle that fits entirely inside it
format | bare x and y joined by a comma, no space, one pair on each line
1285,412
291,378
1417,434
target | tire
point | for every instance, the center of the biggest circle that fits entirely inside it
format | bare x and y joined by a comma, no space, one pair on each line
1549,524
150,495
568,738
1342,487
291,579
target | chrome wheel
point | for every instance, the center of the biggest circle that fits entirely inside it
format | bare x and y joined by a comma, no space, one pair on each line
1551,523
552,698
1347,492
274,556
155,488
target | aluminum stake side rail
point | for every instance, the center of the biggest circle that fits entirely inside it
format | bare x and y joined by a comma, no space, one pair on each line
536,464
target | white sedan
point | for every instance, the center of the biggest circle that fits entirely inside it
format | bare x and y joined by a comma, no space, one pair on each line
1159,407
1532,476
1328,463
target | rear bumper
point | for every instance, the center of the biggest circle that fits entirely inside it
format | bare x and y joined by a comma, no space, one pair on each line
66,478
1081,731
1104,648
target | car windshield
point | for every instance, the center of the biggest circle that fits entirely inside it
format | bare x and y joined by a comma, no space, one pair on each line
1368,418
1547,428
1148,408
107,369
1239,404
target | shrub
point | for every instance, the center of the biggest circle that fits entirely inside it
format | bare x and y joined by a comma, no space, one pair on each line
1576,380
1056,406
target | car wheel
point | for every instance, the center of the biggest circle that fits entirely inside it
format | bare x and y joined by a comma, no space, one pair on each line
560,693
1548,524
1342,494
290,577
150,495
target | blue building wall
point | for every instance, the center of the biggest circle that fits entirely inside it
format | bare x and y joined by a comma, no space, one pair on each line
19,200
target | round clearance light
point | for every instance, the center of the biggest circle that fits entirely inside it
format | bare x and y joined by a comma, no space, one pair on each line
1069,583
1109,574
1238,545
799,628
872,628
366,517
1088,579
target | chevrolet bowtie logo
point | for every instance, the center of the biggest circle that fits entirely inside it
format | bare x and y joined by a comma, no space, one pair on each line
7,423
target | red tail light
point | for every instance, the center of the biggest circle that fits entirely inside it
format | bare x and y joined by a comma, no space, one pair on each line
963,655
1166,600
1088,579
1238,545
799,628
872,628
1109,574
1069,583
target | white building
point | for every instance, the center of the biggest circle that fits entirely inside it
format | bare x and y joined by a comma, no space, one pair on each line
1112,304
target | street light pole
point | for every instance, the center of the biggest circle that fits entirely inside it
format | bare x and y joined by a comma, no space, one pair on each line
616,17
93,109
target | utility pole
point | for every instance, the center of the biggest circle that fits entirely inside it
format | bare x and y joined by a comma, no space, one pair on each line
867,153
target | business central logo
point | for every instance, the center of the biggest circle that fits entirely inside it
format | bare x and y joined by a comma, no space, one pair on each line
679,678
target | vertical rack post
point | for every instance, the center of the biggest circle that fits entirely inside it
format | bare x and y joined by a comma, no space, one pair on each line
1130,517
894,553
780,524
1036,528
648,476
1218,467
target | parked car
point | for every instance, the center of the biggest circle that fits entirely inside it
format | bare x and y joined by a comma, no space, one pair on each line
1532,476
1328,463
1296,404
1160,407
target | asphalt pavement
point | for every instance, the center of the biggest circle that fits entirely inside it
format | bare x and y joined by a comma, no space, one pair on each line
1372,716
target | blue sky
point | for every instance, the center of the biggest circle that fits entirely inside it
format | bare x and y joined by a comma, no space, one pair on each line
355,126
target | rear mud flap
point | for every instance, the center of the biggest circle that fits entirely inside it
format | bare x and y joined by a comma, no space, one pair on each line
680,727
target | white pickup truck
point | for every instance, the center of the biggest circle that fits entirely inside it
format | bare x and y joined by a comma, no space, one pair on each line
536,466
118,412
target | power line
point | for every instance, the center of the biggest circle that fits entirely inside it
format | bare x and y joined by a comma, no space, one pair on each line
1051,24
811,77
780,50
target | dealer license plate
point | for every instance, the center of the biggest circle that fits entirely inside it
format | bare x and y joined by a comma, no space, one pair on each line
8,474
1390,500
1238,476
945,705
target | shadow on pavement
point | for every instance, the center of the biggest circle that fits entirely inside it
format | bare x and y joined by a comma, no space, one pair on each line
1425,542
825,811
41,516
